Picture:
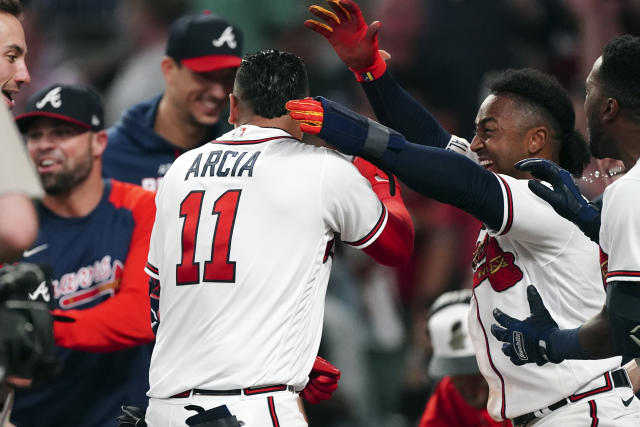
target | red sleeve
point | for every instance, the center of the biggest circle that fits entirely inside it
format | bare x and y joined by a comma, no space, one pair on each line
394,245
123,320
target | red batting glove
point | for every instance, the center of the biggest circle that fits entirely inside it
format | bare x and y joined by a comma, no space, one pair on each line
384,185
308,112
355,43
323,381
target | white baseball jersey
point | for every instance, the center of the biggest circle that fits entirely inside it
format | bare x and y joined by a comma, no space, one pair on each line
535,246
620,228
241,245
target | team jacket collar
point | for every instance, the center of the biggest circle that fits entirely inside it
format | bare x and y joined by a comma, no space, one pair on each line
250,134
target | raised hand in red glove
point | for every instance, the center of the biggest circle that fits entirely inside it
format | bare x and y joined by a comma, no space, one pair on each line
355,43
323,381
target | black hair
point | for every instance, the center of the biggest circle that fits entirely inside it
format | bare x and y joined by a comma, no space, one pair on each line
266,80
547,96
620,72
12,7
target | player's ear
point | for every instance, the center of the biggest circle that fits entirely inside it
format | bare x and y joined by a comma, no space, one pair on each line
234,112
167,66
611,107
537,138
99,142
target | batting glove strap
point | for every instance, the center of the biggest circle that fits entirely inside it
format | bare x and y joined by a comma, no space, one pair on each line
354,134
373,72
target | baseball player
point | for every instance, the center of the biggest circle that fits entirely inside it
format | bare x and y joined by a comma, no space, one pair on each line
611,102
526,114
202,55
242,249
94,234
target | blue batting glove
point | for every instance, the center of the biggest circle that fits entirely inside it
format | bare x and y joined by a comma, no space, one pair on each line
565,197
529,340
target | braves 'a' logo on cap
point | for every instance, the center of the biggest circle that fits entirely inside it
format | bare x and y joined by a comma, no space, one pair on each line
52,97
227,37
457,336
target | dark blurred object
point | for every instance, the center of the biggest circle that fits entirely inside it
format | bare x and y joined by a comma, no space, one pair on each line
132,416
27,347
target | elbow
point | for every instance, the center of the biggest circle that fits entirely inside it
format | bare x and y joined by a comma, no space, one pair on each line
401,254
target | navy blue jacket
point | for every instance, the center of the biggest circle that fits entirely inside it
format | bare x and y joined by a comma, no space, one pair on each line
98,279
135,153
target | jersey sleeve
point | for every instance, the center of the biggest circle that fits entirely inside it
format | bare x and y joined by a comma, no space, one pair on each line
153,259
528,218
17,173
351,207
620,230
123,320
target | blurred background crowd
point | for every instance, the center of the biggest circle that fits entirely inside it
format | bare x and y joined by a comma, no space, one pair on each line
441,50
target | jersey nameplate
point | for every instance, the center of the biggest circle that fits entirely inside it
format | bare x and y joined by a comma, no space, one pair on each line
223,163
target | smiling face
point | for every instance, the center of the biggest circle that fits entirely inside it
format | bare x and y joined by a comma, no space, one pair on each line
13,48
501,136
201,96
62,152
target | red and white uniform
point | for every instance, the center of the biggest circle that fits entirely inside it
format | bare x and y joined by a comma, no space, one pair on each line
620,256
621,227
535,246
240,244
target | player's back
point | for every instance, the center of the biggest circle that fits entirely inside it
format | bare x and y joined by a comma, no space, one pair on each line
240,242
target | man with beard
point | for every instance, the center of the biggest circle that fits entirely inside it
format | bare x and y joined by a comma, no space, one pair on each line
203,54
94,233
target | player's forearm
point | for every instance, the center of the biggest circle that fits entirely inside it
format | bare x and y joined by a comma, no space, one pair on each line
394,107
118,323
595,337
394,246
448,178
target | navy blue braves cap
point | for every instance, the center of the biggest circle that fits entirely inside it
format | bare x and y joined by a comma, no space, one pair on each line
77,104
205,43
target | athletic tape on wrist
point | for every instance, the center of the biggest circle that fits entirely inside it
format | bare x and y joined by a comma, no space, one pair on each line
377,140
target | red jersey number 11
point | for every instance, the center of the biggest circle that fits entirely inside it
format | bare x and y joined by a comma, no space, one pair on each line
218,268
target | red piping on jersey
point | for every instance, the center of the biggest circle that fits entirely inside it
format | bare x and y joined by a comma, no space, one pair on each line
622,273
375,229
606,387
152,268
272,412
507,227
257,390
594,413
249,141
503,409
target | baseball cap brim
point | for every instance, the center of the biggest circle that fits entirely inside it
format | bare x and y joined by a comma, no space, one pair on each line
203,64
444,366
23,120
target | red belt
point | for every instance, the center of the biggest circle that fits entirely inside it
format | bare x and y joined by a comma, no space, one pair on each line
250,391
